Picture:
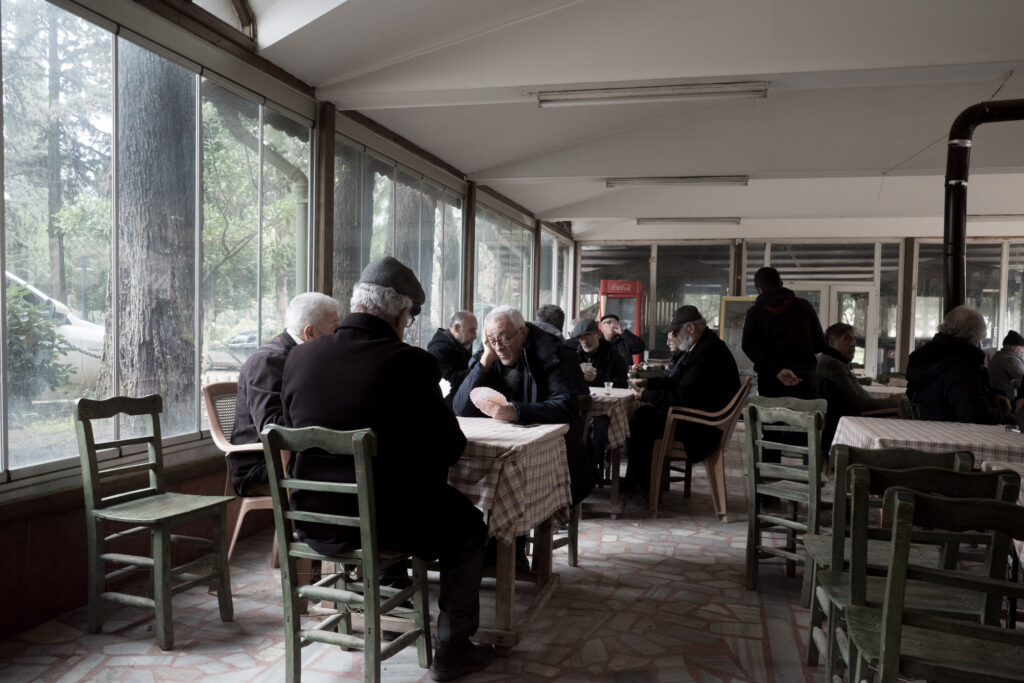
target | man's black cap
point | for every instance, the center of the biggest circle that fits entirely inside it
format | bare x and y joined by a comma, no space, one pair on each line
683,315
390,272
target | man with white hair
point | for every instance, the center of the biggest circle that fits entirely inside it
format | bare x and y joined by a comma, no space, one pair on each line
452,348
308,316
541,380
364,376
946,377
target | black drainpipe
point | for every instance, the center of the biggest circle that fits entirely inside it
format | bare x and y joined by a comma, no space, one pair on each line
958,161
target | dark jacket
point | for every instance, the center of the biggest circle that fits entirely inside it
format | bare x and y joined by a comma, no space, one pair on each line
783,331
946,378
453,357
706,378
363,376
258,404
838,385
606,362
627,344
552,381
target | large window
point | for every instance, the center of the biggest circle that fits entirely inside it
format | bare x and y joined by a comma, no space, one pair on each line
984,265
694,275
631,263
149,247
504,263
555,265
384,209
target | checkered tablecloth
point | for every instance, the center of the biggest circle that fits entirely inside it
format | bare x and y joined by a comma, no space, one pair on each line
987,442
518,474
619,405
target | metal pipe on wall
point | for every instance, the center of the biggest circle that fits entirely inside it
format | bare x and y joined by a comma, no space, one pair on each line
958,161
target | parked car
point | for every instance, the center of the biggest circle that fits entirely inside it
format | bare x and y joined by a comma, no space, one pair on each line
231,354
84,337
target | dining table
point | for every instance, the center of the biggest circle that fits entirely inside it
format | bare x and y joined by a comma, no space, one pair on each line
883,390
519,476
619,405
987,442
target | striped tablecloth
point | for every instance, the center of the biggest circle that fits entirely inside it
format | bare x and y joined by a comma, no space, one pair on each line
619,405
518,474
987,442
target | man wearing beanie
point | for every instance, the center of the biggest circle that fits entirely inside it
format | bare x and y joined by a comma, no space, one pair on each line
1007,365
364,376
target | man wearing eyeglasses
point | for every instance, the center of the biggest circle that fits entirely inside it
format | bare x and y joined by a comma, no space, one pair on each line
539,376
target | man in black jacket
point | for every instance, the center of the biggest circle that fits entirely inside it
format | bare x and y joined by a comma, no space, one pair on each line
624,342
600,364
946,377
451,347
541,379
364,376
258,404
706,379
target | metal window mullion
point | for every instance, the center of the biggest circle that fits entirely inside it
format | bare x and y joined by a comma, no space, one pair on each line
259,232
1004,274
115,232
198,260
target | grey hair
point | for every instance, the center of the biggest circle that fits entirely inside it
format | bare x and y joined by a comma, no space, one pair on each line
309,309
513,315
459,318
964,322
383,302
551,314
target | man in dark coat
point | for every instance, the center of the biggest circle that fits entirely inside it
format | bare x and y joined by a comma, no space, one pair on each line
946,377
541,379
364,376
706,379
258,404
624,342
781,335
451,347
608,366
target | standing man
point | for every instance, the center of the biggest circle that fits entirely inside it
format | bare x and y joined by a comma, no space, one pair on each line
781,335
625,343
452,348
364,376
1007,365
258,404
540,378
706,378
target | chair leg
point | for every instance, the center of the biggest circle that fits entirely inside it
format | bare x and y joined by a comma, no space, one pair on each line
421,613
791,540
574,535
714,466
657,464
97,573
371,626
223,580
162,587
816,617
687,478
241,511
753,542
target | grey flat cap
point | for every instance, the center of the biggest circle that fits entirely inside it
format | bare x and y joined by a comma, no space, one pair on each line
390,272
585,326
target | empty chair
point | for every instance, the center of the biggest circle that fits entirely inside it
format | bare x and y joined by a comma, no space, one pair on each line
375,601
900,641
667,448
771,425
151,511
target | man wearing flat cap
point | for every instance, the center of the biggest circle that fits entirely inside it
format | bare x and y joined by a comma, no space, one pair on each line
705,378
624,342
600,364
364,376
1007,365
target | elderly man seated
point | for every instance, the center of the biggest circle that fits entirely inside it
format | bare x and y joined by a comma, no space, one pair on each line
1007,365
540,378
625,343
364,376
838,385
706,378
452,348
946,377
600,364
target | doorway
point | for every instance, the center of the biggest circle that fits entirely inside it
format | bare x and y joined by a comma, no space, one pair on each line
853,303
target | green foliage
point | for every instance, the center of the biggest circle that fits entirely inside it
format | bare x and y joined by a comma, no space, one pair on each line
34,348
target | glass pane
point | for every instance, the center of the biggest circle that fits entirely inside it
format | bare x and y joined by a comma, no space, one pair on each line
833,262
351,233
888,309
547,264
451,271
607,262
284,248
563,278
983,281
503,258
230,231
57,152
379,179
852,309
695,275
755,259
157,227
1015,290
431,240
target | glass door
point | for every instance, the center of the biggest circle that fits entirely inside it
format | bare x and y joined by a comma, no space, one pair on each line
853,303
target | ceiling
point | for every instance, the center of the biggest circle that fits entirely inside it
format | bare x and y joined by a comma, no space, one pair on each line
860,99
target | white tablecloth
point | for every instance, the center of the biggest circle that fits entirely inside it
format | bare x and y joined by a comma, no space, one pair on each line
519,474
986,442
883,390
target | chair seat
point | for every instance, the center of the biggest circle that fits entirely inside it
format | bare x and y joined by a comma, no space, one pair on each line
161,508
819,548
834,588
941,656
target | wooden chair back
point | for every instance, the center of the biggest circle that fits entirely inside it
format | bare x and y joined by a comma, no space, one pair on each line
909,410
95,478
768,422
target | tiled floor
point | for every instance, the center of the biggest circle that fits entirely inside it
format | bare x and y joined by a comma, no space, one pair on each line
652,600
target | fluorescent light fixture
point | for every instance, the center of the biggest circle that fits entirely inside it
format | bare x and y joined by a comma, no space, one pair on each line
729,220
678,180
652,93
995,216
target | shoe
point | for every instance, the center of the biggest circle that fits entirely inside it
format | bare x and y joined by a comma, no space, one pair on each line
452,660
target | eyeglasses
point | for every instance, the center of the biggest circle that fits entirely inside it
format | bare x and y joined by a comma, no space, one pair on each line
410,321
502,340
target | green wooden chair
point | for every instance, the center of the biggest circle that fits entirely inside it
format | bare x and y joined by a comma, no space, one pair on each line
150,510
376,602
898,640
769,423
836,591
822,550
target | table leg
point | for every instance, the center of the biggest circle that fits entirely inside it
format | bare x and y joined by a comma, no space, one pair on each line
616,454
505,584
